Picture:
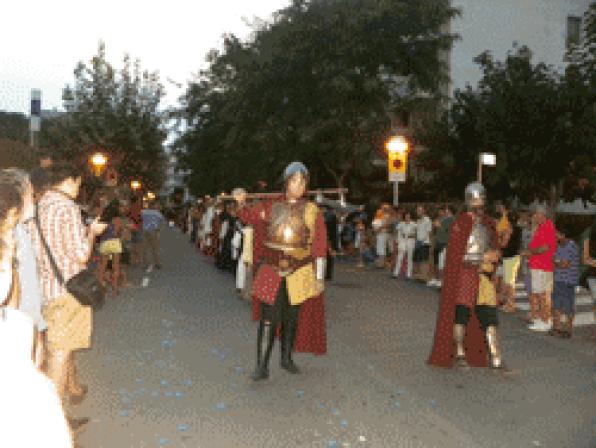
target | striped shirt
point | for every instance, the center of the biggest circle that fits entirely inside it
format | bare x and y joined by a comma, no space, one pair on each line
567,252
66,236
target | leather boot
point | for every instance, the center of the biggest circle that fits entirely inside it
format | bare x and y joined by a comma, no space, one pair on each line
265,340
288,334
459,334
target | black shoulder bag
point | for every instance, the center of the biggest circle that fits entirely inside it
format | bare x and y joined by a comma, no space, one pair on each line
84,286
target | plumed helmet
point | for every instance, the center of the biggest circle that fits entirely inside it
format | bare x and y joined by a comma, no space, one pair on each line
293,168
475,195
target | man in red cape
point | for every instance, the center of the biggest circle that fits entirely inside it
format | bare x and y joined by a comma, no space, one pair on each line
452,343
288,283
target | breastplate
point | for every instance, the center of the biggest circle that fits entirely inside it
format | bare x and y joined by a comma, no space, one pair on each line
478,244
286,229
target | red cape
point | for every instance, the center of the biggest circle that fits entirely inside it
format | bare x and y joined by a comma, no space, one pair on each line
443,351
311,335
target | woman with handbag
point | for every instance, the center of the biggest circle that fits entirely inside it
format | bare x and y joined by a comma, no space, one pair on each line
29,399
64,245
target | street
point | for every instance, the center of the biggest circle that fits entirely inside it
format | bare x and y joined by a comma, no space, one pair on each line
170,367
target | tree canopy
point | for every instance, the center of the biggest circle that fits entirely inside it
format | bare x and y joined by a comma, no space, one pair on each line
319,83
540,123
116,111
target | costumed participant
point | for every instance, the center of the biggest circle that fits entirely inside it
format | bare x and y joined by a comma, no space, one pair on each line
290,272
228,220
381,225
467,320
331,224
207,226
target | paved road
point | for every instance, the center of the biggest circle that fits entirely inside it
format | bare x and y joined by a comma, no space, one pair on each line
170,366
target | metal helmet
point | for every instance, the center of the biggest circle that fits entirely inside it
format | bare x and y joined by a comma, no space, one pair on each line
475,195
294,168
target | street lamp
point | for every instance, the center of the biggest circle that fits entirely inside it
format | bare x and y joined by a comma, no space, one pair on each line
135,185
150,195
397,160
98,162
485,158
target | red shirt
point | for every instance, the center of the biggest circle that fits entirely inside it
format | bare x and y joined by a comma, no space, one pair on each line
545,235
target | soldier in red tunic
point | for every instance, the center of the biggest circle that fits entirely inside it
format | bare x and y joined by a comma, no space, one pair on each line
467,320
290,270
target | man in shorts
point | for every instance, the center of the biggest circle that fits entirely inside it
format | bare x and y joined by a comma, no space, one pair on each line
540,254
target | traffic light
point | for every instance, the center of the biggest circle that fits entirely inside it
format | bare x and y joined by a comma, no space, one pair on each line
397,163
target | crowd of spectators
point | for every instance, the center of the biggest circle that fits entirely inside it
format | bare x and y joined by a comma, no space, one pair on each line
47,238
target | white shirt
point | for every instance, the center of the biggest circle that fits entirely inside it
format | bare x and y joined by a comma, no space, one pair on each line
406,230
424,227
30,410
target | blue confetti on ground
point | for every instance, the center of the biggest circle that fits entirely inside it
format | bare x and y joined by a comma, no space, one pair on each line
433,402
182,428
239,370
188,383
124,413
163,441
396,404
344,423
322,405
179,394
332,444
335,411
221,406
140,381
163,382
300,393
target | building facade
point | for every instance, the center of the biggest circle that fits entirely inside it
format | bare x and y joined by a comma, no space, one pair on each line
546,27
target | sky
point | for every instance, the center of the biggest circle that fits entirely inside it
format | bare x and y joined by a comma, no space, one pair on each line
41,41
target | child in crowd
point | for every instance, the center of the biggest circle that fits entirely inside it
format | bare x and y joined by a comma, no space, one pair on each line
566,280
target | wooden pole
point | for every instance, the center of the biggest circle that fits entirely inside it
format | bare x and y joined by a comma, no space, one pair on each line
328,191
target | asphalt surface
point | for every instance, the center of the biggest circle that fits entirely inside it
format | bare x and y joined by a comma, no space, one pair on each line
170,367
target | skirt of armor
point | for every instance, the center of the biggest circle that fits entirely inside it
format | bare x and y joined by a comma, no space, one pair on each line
281,310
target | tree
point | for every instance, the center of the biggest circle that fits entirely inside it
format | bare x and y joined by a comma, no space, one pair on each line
527,114
14,126
318,83
116,111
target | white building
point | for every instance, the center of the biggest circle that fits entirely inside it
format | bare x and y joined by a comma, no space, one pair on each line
547,27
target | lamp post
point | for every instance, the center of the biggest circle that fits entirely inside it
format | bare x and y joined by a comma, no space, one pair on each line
397,160
98,162
485,158
135,185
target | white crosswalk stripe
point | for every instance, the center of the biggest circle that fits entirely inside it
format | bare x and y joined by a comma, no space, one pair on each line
584,305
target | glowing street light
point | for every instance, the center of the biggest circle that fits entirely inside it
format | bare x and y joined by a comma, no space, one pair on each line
397,162
135,185
150,195
397,144
98,162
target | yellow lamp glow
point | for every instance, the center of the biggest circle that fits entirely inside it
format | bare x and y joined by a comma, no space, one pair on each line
135,184
397,144
98,162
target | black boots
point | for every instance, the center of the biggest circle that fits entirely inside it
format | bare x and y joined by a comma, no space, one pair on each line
288,335
265,339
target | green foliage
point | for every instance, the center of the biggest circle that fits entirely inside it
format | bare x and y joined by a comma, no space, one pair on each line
318,84
14,126
116,111
539,123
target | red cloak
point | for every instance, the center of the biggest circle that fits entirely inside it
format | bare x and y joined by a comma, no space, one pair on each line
455,291
311,335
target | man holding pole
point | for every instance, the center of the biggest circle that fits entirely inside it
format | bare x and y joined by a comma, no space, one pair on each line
289,259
